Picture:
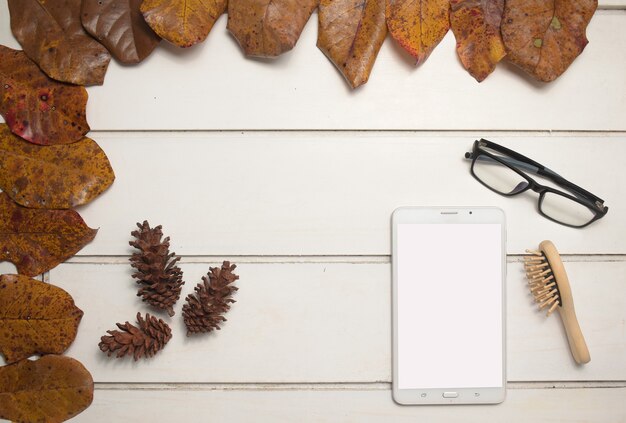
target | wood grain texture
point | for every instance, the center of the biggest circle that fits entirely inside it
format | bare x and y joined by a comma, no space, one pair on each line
215,87
363,406
331,322
333,194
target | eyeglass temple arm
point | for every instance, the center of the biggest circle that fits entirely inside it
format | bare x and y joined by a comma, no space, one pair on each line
517,163
537,168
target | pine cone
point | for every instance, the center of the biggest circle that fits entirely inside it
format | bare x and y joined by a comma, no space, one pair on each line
146,340
157,272
204,309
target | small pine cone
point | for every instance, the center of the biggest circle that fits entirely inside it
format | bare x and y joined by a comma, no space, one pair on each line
160,279
143,341
204,309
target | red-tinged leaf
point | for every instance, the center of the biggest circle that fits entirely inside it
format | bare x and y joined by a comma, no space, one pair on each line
35,318
37,108
418,25
51,389
543,37
350,34
120,27
182,22
51,34
36,240
52,177
268,28
476,26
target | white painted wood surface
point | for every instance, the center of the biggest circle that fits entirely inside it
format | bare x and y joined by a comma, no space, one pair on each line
202,141
358,406
285,193
331,322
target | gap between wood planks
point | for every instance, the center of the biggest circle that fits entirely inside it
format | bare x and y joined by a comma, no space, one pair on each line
365,386
470,133
365,259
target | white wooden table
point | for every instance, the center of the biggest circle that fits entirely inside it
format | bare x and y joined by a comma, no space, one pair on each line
280,168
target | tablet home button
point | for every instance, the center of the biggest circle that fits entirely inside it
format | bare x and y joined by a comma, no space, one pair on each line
450,394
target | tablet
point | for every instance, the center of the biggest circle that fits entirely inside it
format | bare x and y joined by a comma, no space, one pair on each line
449,331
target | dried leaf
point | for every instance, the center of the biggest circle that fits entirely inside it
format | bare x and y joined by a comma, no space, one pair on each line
418,26
182,22
51,389
268,28
36,240
35,317
51,34
544,37
476,26
52,177
350,35
37,108
120,27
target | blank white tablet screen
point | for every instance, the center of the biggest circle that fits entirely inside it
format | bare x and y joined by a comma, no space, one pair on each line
449,287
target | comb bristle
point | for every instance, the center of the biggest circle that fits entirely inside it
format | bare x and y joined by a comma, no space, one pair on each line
535,252
545,296
552,308
541,281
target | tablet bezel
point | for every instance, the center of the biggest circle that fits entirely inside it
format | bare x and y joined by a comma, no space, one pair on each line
462,215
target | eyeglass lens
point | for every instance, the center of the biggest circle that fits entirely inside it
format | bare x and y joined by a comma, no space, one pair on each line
565,210
498,177
506,181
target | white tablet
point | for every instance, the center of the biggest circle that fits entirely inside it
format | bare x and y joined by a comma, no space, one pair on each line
449,272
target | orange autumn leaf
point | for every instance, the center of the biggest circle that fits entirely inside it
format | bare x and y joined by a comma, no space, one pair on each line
36,318
418,25
51,389
268,28
182,22
54,177
544,37
51,34
350,34
36,240
476,27
120,27
37,108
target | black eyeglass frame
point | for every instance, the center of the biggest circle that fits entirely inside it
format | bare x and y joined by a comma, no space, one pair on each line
516,161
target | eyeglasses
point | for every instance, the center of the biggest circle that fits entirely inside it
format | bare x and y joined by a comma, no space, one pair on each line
504,171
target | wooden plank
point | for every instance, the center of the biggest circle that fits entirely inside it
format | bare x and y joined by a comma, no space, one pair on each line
330,322
212,86
363,406
612,4
333,193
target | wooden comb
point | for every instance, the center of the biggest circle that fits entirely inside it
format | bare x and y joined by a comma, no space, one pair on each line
550,286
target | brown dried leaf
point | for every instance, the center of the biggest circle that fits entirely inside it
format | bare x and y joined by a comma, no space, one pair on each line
51,34
476,26
120,27
268,28
35,318
350,35
182,22
52,177
37,108
51,389
418,26
36,240
544,37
